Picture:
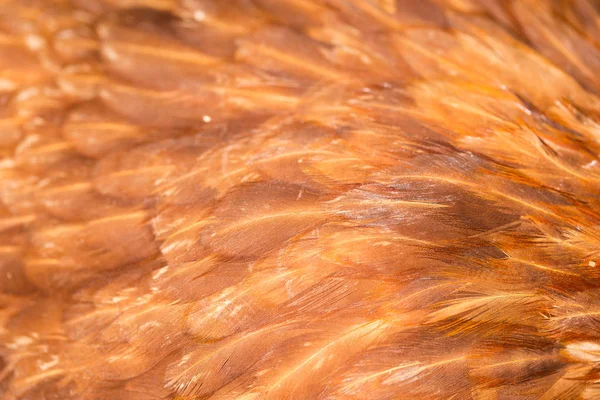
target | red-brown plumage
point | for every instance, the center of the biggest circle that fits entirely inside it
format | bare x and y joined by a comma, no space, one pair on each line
299,199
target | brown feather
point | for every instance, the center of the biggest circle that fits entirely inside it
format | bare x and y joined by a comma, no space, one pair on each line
298,199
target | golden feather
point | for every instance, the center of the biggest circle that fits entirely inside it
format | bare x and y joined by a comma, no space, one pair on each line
299,199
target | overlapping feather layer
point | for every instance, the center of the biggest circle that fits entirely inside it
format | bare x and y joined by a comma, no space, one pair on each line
299,199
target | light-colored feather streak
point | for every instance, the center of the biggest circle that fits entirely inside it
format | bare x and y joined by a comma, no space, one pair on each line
387,374
178,55
323,72
203,371
465,314
330,355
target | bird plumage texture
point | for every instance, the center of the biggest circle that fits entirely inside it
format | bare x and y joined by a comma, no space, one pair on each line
299,199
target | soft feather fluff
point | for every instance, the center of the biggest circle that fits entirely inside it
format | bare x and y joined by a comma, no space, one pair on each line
298,199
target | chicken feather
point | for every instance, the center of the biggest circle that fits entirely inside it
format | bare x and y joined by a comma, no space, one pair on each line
297,199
